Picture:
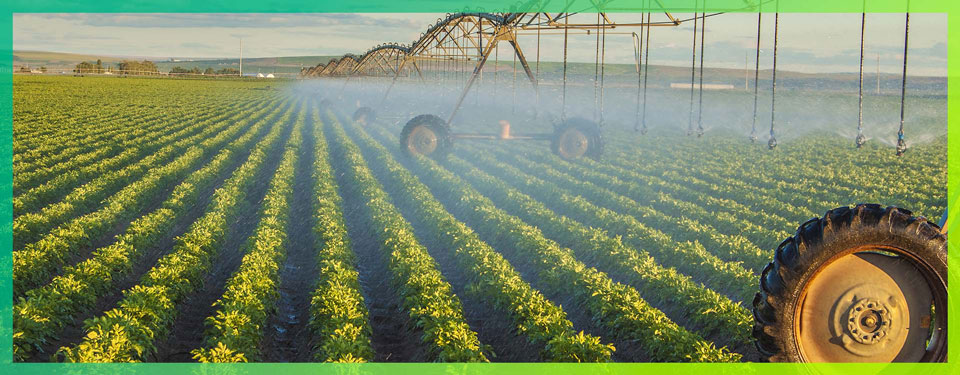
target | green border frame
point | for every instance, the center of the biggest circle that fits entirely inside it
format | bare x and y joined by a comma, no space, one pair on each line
8,7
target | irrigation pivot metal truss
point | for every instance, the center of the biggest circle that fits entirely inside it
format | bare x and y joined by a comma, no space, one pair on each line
460,41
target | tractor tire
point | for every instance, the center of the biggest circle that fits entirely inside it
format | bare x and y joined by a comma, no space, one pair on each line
862,284
426,135
364,116
577,137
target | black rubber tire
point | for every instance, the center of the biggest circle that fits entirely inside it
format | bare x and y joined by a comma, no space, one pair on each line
820,240
589,128
364,115
434,123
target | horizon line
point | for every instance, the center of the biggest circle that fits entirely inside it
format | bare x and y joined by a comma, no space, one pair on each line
163,58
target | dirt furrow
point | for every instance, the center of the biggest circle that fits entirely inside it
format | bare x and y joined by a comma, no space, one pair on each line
286,335
393,340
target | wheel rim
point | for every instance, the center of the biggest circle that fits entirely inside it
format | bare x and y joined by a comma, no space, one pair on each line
572,144
422,140
869,305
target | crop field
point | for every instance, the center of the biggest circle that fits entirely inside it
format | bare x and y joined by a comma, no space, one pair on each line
167,220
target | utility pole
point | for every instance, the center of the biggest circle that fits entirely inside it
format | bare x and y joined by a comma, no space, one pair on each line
241,57
878,73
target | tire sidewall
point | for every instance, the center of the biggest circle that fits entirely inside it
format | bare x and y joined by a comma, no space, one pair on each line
435,124
822,241
589,129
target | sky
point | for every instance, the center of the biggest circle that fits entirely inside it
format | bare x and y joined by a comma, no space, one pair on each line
811,43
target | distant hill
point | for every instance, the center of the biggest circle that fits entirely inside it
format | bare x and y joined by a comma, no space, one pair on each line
61,61
57,61
577,73
663,76
286,64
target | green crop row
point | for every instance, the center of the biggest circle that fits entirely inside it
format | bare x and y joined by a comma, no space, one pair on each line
742,198
44,153
66,158
688,257
75,174
32,130
728,217
804,175
28,177
704,310
81,110
88,197
111,126
235,330
46,310
128,332
35,262
690,225
338,316
492,278
617,307
741,235
426,296
743,192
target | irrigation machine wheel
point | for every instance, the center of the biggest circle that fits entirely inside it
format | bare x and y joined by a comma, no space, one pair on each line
867,284
364,115
577,137
425,135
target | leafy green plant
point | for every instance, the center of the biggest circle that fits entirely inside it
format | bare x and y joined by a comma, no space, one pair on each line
147,310
338,315
617,307
426,296
492,277
235,330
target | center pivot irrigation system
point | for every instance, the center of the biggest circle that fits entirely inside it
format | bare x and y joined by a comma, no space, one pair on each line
459,41
861,284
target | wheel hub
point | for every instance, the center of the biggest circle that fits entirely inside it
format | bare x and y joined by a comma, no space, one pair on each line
422,141
868,321
864,307
573,144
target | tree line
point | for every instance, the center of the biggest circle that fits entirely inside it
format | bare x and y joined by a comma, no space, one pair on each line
132,67
207,71
144,67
